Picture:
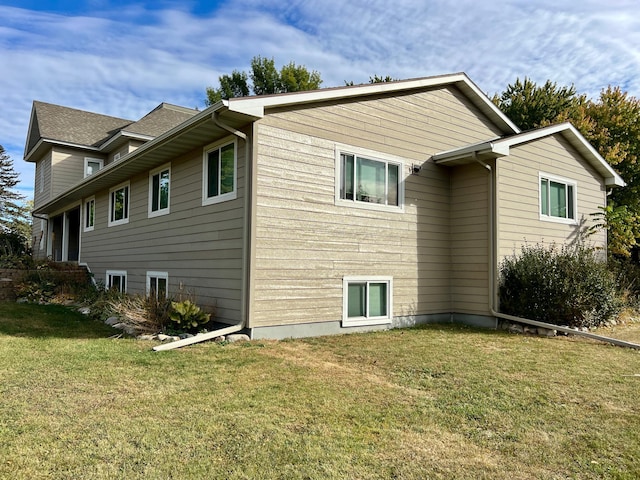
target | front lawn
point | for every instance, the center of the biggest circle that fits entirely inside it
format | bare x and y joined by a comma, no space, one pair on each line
434,402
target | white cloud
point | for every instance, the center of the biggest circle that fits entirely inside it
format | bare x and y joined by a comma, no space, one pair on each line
124,61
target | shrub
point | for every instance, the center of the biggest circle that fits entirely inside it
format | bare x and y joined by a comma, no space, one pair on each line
570,286
186,316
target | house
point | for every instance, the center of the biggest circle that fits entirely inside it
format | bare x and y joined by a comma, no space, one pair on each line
335,210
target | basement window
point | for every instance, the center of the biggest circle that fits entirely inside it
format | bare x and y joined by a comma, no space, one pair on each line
367,301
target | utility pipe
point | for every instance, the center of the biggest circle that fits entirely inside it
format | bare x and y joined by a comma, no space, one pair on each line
493,266
232,328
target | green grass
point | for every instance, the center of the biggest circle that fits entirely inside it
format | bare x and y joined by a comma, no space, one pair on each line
434,402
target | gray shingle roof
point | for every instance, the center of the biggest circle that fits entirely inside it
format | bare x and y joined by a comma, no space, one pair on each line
161,119
69,125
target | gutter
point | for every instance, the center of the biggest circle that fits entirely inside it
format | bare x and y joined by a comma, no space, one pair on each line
245,251
493,276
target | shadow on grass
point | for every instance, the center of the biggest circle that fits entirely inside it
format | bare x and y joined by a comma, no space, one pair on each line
44,321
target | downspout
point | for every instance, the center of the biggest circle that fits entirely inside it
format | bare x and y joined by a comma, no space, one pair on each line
245,252
493,275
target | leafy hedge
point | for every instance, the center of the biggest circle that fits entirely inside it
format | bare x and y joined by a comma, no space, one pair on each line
566,286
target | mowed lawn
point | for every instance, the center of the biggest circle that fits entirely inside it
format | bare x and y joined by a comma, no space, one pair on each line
441,401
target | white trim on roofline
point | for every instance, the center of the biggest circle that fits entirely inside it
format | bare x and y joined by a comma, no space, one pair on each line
500,148
255,105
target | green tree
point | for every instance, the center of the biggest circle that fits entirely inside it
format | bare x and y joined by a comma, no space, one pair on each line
374,79
265,79
530,106
15,214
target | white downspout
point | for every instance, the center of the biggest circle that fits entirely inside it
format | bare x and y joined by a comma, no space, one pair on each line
493,276
244,308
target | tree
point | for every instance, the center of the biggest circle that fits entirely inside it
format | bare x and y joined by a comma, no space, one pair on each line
265,80
14,213
611,124
530,106
374,79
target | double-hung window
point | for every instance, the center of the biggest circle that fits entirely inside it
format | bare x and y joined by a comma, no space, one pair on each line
220,167
558,197
119,204
117,280
89,214
92,165
367,301
159,181
157,283
366,180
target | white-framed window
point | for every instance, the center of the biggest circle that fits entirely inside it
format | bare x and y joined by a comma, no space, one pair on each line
220,171
119,204
92,165
43,226
159,184
117,280
558,198
89,214
368,179
367,300
116,156
157,284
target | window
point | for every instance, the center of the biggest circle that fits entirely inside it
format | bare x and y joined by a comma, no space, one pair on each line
119,205
89,214
557,199
220,172
159,180
116,156
117,280
157,284
367,301
369,181
91,166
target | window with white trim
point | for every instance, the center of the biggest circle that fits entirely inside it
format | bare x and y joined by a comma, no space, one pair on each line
157,284
366,179
219,177
159,182
119,204
89,214
558,198
367,300
116,280
92,165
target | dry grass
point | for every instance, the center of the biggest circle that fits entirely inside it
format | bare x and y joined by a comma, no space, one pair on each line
437,402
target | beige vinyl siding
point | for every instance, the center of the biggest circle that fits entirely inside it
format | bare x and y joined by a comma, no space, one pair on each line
305,244
470,239
199,246
519,190
67,168
42,184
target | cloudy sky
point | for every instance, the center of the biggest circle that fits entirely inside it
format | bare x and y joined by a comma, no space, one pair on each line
124,58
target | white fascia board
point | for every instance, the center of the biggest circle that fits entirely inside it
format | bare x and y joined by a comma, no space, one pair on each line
490,147
578,141
255,105
59,143
125,134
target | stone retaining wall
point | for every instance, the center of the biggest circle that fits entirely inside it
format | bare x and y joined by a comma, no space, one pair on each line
9,278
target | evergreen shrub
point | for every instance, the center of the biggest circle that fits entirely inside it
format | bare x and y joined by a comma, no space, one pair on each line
570,286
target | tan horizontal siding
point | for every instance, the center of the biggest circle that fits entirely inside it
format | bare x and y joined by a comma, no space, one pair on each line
199,246
518,195
306,244
470,239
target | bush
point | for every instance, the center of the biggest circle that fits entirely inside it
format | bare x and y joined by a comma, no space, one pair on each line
570,286
187,316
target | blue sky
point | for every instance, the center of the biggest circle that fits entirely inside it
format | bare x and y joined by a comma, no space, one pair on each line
125,58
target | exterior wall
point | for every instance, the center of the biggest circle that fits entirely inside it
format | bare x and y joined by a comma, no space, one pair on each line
67,168
305,243
200,247
470,239
42,186
518,195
